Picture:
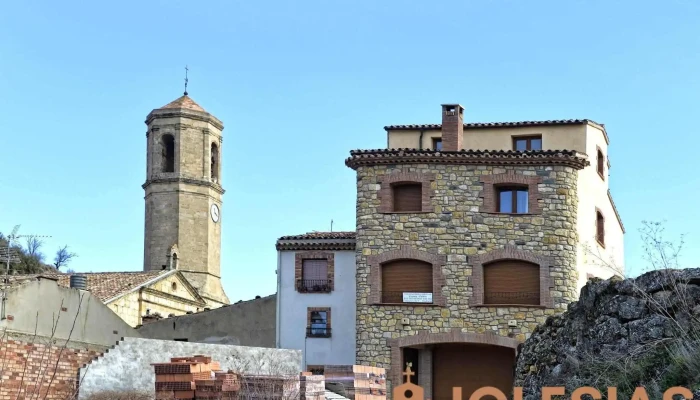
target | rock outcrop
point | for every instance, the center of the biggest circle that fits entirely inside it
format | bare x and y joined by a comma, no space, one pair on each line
620,333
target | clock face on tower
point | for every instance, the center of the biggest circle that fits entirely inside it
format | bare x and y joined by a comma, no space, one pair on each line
215,213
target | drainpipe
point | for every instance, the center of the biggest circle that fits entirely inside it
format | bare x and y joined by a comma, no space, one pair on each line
420,139
278,299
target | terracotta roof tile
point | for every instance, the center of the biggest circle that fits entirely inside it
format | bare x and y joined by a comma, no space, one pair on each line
104,285
496,124
318,241
570,158
184,102
321,235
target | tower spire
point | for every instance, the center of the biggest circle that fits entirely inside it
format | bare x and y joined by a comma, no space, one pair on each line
186,70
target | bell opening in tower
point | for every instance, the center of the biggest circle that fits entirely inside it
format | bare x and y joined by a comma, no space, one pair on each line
168,145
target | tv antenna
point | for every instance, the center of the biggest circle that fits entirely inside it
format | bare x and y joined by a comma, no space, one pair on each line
12,257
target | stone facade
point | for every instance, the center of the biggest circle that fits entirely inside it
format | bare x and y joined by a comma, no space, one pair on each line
181,229
457,236
169,295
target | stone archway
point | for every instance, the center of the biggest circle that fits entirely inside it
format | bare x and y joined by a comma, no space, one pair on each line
502,344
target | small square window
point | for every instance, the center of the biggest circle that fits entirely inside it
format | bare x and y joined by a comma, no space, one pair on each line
437,144
513,200
319,323
525,143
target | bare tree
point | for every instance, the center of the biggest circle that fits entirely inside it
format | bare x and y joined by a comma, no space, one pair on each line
63,257
34,245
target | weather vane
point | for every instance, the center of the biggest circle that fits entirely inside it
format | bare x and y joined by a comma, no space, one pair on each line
186,69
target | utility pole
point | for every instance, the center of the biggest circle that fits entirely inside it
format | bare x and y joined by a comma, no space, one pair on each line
6,281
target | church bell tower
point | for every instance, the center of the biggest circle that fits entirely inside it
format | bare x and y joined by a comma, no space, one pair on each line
183,195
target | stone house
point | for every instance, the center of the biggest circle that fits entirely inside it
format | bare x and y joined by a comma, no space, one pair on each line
461,252
316,297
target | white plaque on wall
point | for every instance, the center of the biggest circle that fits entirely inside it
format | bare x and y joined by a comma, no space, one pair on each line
417,297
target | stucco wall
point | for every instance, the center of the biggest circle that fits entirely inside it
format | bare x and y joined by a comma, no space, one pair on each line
555,137
340,347
128,365
44,305
250,323
601,261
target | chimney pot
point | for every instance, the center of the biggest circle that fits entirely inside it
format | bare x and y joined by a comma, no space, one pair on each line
452,127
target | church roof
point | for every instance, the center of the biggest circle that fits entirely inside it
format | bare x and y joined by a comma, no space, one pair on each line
183,102
103,285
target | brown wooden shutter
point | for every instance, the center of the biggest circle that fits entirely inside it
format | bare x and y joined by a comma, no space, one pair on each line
401,276
407,197
315,270
600,227
511,282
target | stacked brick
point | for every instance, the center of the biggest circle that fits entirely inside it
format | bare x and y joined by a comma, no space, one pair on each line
194,378
312,387
357,382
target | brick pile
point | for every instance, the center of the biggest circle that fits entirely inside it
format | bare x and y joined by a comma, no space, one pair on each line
312,387
357,382
193,378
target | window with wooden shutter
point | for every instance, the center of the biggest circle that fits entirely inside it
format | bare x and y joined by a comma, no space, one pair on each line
512,282
412,278
314,276
600,228
407,197
601,164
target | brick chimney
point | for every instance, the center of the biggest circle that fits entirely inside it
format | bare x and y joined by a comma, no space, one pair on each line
452,127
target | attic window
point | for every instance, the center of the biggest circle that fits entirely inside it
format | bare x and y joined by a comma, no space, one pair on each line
174,286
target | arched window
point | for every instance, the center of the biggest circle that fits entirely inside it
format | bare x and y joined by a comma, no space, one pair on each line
407,281
600,228
168,153
511,282
407,196
601,164
214,162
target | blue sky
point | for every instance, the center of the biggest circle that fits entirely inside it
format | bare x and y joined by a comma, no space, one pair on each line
298,84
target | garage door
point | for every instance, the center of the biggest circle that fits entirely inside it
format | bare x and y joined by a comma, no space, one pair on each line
471,366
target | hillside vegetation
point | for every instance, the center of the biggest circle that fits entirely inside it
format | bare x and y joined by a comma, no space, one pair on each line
27,257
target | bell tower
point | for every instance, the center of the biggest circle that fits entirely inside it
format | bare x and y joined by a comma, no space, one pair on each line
184,195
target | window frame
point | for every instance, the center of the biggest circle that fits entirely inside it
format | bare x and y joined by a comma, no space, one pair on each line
300,257
327,328
510,252
395,186
375,263
437,140
600,162
491,198
386,190
528,142
600,227
513,189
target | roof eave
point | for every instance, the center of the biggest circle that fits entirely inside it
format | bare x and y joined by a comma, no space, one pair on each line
137,287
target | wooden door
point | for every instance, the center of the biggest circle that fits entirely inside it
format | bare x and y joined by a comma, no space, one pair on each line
471,366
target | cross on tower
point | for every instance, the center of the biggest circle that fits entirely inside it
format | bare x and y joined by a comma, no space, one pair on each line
408,374
186,70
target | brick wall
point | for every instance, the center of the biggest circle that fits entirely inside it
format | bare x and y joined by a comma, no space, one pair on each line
40,370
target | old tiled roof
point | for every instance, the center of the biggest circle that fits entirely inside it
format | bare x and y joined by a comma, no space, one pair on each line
514,124
104,285
496,124
184,102
318,241
570,158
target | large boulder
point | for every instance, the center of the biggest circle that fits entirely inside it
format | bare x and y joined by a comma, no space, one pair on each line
620,333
